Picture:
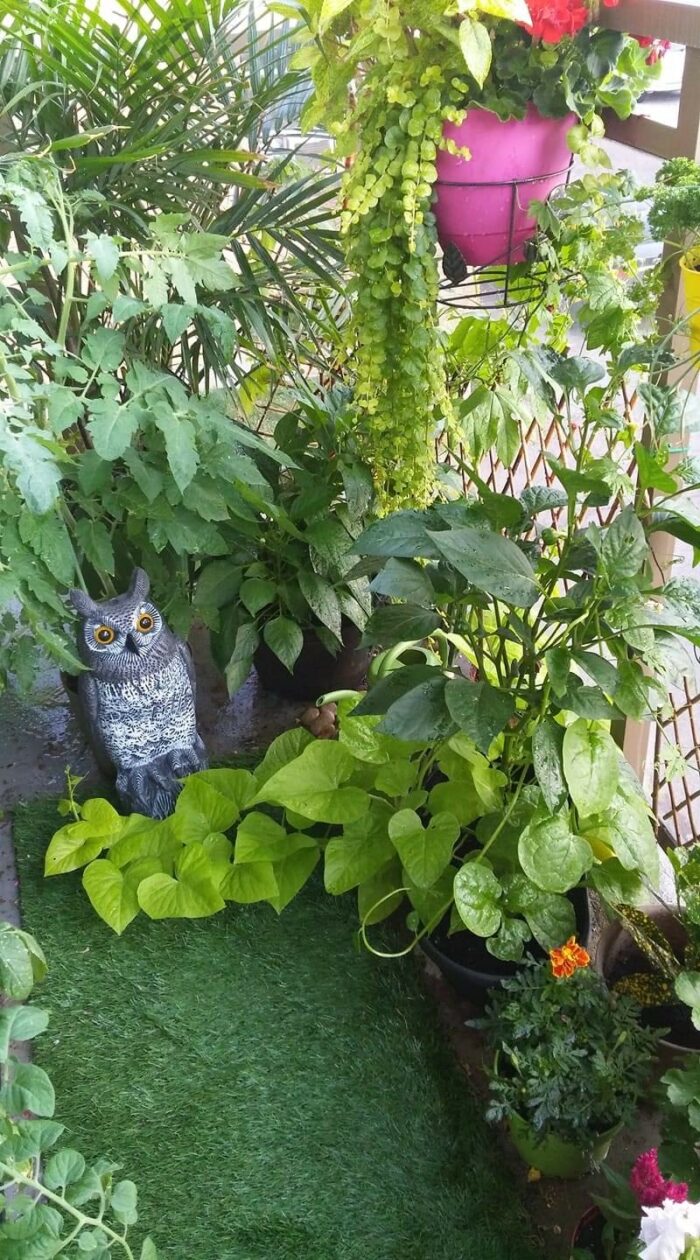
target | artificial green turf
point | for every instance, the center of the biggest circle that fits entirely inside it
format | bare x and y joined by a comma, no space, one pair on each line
275,1095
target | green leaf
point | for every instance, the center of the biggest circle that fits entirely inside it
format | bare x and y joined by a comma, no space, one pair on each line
403,534
212,800
508,942
491,563
193,894
550,917
112,427
257,593
475,43
180,446
625,828
631,691
405,579
398,623
652,470
285,638
260,839
362,738
148,1250
623,548
16,971
480,710
687,986
330,10
386,691
241,662
285,748
591,767
310,785
547,748
71,847
64,408
218,584
552,856
250,882
176,317
63,1169
105,252
360,852
477,895
95,541
103,349
381,894
123,1202
424,851
111,894
48,538
20,1023
322,600
421,714
28,1089
291,873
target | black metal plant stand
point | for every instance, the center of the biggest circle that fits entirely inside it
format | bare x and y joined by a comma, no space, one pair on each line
499,283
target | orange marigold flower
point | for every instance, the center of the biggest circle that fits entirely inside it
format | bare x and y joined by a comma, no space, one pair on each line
568,958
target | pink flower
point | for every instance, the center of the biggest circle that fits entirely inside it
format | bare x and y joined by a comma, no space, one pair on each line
648,1185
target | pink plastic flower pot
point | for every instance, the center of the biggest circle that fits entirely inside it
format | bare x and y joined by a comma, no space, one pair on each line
482,204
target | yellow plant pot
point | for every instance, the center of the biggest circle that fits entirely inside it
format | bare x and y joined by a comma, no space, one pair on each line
691,292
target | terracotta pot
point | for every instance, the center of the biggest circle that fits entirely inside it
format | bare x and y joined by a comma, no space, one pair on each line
316,670
554,1157
482,204
615,947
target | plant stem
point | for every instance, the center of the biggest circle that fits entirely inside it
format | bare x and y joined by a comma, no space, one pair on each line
92,1222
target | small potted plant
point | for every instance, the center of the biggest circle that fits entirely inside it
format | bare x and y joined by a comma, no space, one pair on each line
674,217
295,613
640,1209
653,954
571,1062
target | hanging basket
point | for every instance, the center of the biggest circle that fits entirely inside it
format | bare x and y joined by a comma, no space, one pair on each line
482,204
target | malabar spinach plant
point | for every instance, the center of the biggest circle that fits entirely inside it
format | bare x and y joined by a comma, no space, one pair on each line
52,1198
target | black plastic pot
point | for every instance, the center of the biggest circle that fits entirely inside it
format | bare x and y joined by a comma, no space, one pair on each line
465,961
316,670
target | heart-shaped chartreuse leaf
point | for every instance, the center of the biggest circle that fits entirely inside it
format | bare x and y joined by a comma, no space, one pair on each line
79,842
260,839
211,801
477,895
381,894
362,849
145,837
291,873
310,785
192,894
552,856
424,851
112,890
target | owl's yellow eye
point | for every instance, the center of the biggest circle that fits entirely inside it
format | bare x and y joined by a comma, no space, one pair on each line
145,623
104,635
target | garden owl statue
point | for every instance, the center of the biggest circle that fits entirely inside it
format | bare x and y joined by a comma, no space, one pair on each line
138,696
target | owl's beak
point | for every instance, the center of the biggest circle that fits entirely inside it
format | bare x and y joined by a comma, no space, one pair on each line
132,645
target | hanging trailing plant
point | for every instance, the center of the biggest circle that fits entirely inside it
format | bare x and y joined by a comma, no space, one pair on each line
387,77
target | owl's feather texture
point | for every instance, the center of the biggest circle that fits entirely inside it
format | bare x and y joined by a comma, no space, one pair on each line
138,696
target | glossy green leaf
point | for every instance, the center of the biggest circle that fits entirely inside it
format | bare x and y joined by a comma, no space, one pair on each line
478,709
591,763
491,563
552,856
477,895
547,760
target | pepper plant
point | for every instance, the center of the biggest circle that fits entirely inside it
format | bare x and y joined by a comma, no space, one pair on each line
52,1199
107,458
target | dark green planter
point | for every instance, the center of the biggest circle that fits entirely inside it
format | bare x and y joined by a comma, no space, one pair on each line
552,1156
